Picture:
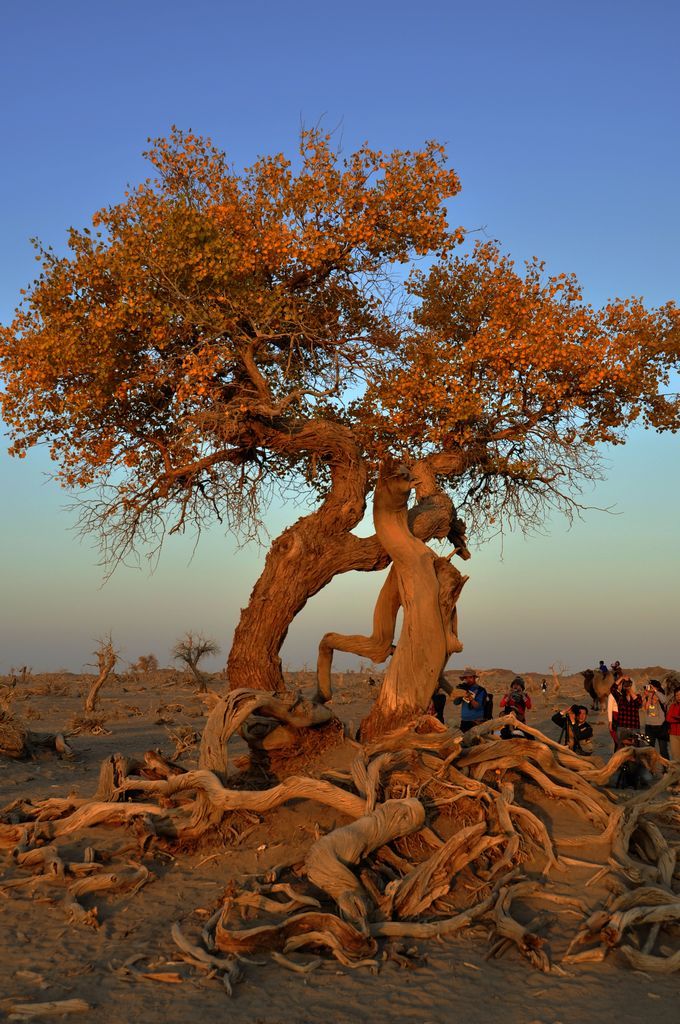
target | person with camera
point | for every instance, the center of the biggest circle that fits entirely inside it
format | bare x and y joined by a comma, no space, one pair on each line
576,729
517,702
471,700
634,772
653,715
628,704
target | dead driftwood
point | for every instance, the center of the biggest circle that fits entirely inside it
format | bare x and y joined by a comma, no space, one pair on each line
438,831
53,1008
17,741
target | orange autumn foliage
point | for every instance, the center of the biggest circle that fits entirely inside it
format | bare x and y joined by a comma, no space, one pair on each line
516,371
217,333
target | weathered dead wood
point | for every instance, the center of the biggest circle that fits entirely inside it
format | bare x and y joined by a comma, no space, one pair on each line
198,957
291,965
432,930
308,929
293,788
46,858
112,773
327,860
536,924
665,858
651,964
421,733
502,755
18,742
107,656
541,754
52,1008
367,778
228,714
434,763
323,938
259,901
89,814
567,758
528,943
156,766
434,877
643,895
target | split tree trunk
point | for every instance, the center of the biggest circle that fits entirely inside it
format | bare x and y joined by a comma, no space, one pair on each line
428,588
304,559
376,647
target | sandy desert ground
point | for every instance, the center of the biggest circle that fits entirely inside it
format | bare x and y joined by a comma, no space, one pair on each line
44,958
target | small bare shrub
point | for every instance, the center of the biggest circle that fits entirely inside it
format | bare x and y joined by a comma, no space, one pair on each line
92,725
185,739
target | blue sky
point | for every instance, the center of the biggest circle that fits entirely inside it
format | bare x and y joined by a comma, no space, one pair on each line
562,123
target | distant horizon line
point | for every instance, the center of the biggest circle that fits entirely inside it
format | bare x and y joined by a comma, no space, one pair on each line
371,670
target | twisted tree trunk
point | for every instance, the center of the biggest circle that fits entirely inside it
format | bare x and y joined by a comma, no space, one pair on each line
377,646
307,556
428,589
300,562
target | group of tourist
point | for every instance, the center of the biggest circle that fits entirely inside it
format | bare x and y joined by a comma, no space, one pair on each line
654,713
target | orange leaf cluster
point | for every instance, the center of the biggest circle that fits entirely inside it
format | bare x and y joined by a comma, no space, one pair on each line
217,330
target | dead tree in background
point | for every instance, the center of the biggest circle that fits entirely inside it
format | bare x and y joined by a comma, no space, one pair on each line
191,649
106,656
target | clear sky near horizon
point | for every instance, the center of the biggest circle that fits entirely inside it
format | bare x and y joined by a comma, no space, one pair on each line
562,122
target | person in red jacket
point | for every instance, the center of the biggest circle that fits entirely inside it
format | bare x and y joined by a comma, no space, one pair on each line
673,719
517,701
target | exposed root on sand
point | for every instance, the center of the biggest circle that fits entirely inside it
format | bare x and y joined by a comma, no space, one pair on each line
439,832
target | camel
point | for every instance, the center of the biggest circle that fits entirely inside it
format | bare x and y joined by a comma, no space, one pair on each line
596,687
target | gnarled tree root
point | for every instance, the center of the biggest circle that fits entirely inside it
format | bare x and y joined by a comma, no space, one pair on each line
327,861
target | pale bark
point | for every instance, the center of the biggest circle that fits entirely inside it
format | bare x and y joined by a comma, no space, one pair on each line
230,714
18,741
327,861
428,589
318,547
107,658
376,647
308,929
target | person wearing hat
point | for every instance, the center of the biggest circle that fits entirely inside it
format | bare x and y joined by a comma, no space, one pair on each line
472,701
517,700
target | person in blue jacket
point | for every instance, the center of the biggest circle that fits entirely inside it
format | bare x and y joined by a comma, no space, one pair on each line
472,704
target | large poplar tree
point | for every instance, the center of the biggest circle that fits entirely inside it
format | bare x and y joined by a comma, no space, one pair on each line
220,337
